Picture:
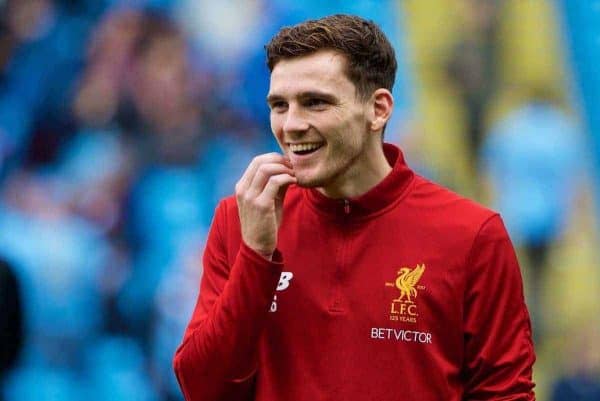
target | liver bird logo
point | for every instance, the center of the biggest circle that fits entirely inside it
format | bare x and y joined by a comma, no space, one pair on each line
406,282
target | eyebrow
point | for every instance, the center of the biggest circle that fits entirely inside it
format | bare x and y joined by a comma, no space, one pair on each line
273,98
303,95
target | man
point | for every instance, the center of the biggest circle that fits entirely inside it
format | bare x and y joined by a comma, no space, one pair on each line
336,272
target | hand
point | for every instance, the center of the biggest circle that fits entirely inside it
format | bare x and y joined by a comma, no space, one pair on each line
259,195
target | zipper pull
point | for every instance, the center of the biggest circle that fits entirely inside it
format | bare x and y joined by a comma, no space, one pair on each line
346,206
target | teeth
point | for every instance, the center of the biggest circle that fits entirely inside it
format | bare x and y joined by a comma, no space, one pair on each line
303,147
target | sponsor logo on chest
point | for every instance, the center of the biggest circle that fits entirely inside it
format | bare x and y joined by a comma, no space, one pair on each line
382,333
404,308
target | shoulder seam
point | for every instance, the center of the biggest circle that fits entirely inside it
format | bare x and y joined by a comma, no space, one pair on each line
485,223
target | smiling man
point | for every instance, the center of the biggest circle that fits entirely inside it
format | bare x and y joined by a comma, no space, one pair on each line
330,133
336,272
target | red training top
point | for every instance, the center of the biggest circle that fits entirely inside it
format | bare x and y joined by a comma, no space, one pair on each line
409,292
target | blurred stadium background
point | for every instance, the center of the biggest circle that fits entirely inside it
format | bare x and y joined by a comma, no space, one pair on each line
123,122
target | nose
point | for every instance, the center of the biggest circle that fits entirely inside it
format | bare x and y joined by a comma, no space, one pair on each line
295,121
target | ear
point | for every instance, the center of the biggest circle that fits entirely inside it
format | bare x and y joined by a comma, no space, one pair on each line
382,103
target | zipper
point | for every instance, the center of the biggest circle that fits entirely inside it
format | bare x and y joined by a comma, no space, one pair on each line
346,206
337,305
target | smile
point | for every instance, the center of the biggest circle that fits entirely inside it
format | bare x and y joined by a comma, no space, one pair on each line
305,148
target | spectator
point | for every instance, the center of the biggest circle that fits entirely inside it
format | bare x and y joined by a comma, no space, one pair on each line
473,67
101,92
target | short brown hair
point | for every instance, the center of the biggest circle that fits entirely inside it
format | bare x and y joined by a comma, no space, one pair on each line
371,58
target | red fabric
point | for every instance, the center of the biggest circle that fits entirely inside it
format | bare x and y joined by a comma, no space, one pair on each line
336,332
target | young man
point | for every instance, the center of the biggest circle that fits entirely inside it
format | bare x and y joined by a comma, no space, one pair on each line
336,273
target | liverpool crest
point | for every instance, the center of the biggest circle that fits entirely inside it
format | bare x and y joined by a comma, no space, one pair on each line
404,308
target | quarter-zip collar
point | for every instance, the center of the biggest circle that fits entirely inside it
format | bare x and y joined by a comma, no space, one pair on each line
389,190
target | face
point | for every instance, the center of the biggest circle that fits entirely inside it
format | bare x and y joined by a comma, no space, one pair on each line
319,121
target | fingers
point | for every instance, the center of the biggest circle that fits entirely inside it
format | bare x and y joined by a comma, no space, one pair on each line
269,158
274,187
264,167
259,196
264,174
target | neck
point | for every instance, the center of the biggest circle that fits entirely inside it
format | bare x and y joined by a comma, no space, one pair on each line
366,172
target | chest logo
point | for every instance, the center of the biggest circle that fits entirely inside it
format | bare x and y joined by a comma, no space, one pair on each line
404,308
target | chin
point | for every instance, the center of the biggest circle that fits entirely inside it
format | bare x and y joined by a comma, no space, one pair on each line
309,182
306,184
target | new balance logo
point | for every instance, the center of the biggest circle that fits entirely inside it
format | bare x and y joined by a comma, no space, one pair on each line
284,280
284,283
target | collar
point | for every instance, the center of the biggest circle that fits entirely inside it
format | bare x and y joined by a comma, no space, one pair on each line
384,194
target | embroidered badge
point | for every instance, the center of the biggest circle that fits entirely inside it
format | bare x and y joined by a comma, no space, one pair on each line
404,308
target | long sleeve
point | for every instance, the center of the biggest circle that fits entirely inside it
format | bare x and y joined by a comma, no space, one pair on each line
218,356
499,352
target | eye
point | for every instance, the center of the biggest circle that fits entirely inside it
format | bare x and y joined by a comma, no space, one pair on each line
278,106
315,103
